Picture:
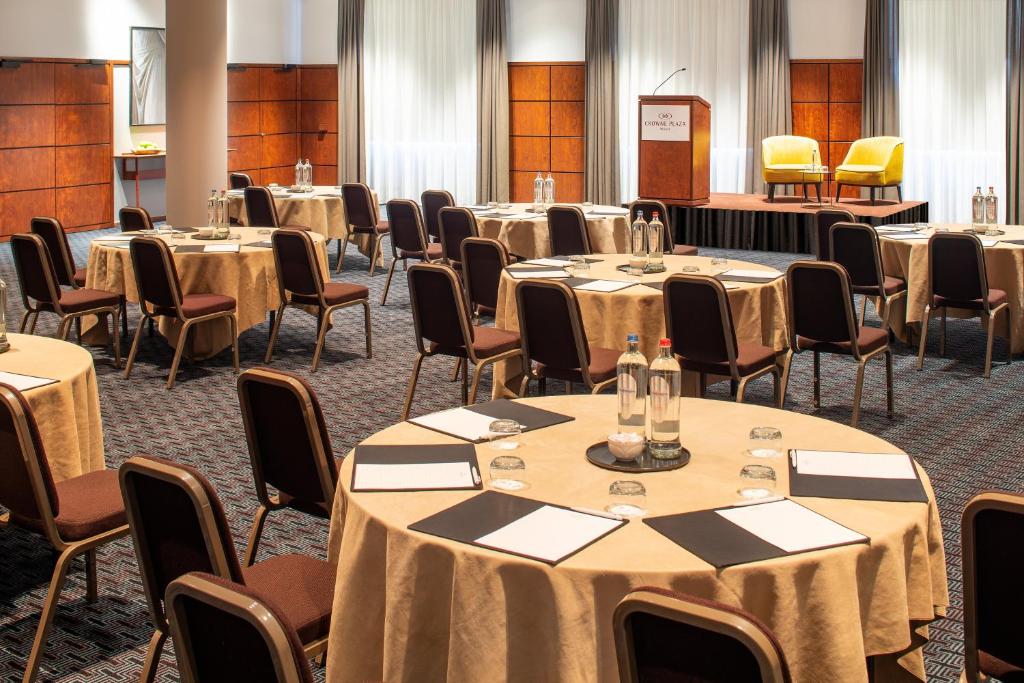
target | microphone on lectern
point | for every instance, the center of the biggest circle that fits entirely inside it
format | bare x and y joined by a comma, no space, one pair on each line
682,68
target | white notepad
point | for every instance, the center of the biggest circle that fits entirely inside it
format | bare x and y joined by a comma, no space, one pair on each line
758,274
115,238
465,424
848,464
221,248
549,533
556,262
24,382
608,212
790,526
989,243
604,286
397,477
915,236
524,274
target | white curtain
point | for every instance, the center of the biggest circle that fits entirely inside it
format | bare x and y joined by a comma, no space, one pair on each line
709,38
953,103
149,78
421,98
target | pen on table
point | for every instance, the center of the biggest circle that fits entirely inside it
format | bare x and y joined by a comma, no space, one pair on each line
476,475
599,513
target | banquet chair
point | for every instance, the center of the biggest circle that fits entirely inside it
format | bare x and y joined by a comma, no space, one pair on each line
854,246
553,336
698,320
992,564
432,202
260,210
455,225
156,279
363,218
784,159
178,526
56,239
133,218
567,231
240,181
40,292
821,319
958,278
648,207
874,163
440,316
300,283
74,516
223,631
289,447
408,239
661,635
483,260
824,219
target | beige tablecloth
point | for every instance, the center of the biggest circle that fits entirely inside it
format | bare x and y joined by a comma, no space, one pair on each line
529,237
249,276
758,311
908,259
413,607
68,412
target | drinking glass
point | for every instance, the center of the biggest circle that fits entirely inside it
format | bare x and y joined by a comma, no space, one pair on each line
920,227
504,435
689,269
492,205
588,205
765,442
756,481
508,473
578,264
719,261
636,265
627,498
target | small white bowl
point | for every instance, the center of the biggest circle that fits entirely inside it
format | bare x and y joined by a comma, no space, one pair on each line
626,446
205,232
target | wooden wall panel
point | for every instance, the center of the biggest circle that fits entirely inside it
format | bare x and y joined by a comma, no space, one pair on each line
809,82
279,150
319,115
30,83
278,117
325,175
246,154
811,119
521,186
29,168
568,187
567,154
27,125
321,150
318,83
277,83
530,118
254,173
83,124
84,205
83,165
82,83
243,85
568,82
17,209
567,118
529,152
282,175
243,118
844,121
529,82
845,82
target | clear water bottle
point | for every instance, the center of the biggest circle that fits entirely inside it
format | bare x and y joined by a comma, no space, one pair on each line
211,210
815,161
632,383
638,238
299,174
223,212
665,386
978,206
655,243
549,189
307,176
538,189
991,206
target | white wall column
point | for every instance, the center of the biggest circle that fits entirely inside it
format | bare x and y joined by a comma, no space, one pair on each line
197,110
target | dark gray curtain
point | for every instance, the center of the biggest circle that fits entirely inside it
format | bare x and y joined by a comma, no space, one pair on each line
769,100
492,175
351,112
601,178
881,107
1014,111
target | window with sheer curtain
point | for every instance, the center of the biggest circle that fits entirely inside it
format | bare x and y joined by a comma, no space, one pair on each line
953,103
709,38
421,98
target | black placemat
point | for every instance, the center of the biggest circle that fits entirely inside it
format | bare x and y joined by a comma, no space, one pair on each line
265,244
414,455
529,417
855,488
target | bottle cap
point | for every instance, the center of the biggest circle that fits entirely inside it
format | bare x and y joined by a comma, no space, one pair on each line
632,337
665,342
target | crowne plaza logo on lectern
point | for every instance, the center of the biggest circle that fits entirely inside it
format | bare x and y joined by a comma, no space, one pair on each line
665,122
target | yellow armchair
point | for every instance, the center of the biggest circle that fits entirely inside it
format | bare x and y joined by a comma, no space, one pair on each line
784,158
873,162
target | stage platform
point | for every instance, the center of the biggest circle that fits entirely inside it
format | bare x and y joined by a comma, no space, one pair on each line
750,221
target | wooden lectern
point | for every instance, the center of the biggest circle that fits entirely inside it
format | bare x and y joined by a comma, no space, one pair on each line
675,149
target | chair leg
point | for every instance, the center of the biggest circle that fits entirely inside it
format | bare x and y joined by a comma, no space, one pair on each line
942,334
465,385
776,382
899,193
817,191
771,192
703,385
1009,336
990,327
60,573
523,385
32,325
274,330
323,326
873,190
839,189
234,341
368,328
477,372
924,337
78,330
804,186
182,343
150,327
24,321
542,386
149,667
375,253
254,535
741,389
91,588
783,385
454,377
116,335
124,317
342,248
412,385
863,309
857,388
63,328
817,380
134,349
890,403
387,283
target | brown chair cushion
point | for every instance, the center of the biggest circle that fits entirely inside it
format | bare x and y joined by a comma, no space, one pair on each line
603,364
195,305
381,228
890,286
335,293
750,358
433,251
996,297
869,339
1004,671
75,300
684,250
487,342
89,505
301,588
79,277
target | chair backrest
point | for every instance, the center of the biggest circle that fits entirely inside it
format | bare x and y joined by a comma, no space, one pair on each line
551,325
787,149
665,636
698,320
56,239
956,267
877,151
289,446
439,312
433,201
820,303
406,227
260,209
223,631
360,209
298,270
177,524
993,559
483,260
240,181
134,218
156,276
36,276
824,219
854,246
26,484
567,230
455,224
648,207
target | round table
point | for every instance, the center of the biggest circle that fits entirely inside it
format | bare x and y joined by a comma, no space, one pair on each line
908,259
758,311
526,234
250,276
67,412
409,606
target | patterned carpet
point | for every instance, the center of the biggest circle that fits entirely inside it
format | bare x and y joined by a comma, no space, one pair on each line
962,428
